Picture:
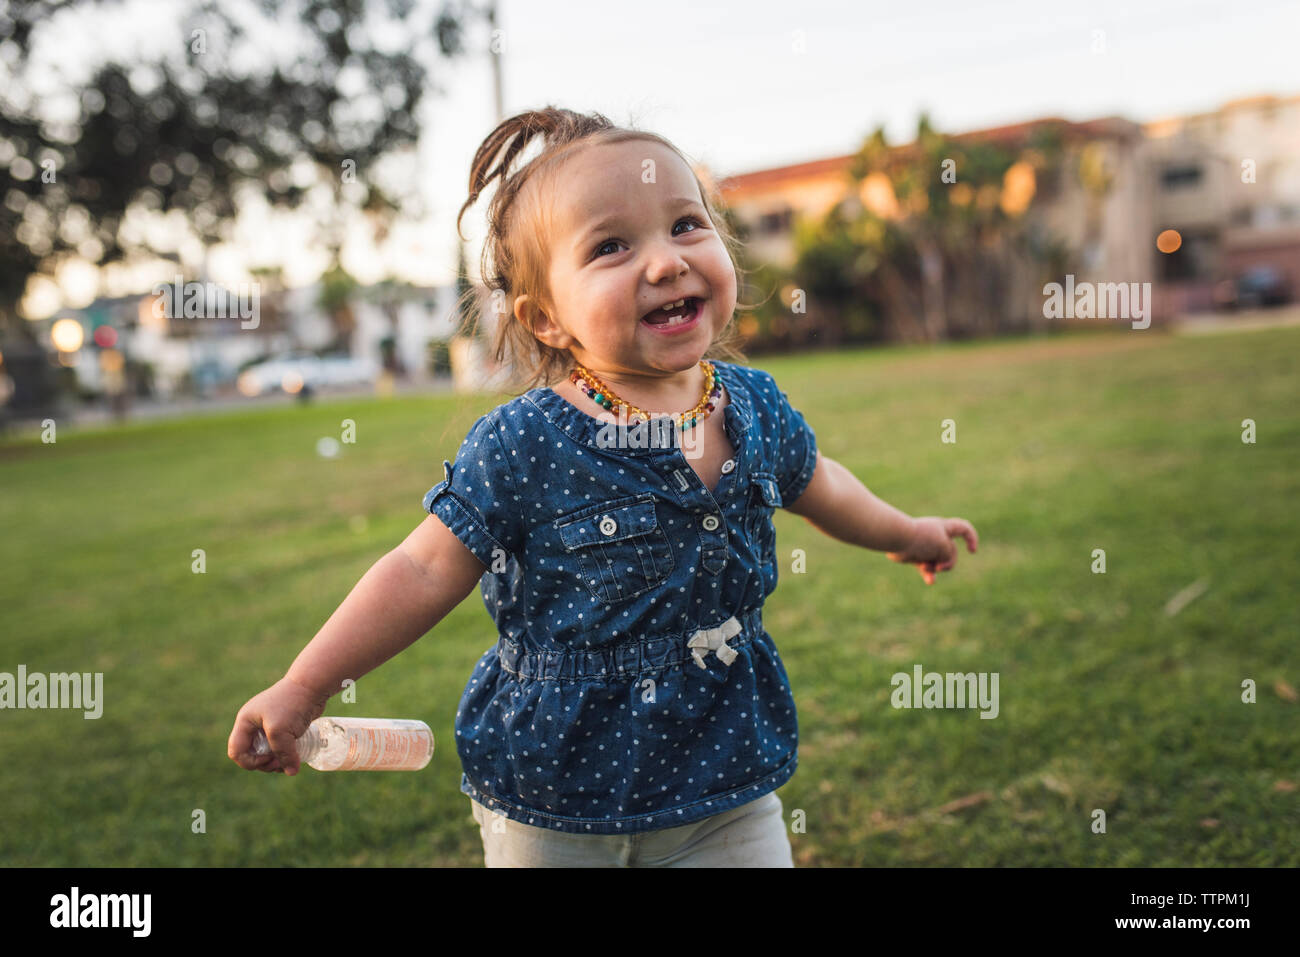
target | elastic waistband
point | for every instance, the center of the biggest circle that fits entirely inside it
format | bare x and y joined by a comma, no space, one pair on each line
627,658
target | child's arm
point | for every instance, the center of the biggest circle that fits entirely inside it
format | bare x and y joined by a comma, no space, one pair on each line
839,505
401,597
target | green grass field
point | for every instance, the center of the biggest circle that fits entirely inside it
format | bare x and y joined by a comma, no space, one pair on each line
1130,442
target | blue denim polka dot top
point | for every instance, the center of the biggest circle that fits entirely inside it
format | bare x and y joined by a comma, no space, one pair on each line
632,686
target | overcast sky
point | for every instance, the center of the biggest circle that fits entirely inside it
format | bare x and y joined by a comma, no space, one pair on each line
749,84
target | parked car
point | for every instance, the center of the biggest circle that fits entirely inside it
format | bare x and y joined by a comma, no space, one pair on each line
1257,286
295,372
1263,286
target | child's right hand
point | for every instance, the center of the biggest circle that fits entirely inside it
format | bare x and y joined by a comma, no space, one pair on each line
283,711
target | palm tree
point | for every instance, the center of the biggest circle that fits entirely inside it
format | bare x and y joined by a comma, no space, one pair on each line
931,231
336,292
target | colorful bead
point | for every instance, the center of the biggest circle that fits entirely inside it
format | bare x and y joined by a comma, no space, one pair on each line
598,392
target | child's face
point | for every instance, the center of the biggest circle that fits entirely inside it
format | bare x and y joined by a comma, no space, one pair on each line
657,245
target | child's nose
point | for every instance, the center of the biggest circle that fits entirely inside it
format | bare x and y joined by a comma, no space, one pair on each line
664,261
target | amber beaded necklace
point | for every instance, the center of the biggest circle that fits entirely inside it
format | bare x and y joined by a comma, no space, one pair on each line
606,398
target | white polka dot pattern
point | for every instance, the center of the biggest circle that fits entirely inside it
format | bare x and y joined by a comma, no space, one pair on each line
589,715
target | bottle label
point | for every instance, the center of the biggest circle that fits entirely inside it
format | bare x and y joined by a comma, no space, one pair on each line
396,746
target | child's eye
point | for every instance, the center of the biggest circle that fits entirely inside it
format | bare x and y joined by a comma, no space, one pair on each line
597,253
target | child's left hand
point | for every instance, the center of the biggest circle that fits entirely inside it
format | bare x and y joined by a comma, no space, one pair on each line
931,547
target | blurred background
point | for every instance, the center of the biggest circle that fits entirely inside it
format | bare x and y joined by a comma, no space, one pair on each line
238,219
309,159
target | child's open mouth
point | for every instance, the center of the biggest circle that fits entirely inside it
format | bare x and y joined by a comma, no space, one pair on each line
676,319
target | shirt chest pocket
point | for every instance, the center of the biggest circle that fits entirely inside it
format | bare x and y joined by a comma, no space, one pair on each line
764,497
619,548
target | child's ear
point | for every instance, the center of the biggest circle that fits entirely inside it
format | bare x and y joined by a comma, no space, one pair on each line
529,312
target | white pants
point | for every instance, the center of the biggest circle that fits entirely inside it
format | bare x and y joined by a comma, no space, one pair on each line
751,835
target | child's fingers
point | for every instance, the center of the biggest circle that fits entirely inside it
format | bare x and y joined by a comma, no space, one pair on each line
959,527
239,747
283,747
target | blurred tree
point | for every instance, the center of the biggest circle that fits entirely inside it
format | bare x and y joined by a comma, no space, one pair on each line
927,237
819,300
270,280
337,287
221,109
389,296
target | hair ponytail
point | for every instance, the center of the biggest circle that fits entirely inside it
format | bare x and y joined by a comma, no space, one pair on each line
558,127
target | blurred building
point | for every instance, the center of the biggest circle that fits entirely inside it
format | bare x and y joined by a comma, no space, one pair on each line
1227,181
394,326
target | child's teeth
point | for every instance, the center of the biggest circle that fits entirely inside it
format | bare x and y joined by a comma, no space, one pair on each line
675,320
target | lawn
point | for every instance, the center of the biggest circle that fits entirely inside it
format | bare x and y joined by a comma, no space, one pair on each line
1124,441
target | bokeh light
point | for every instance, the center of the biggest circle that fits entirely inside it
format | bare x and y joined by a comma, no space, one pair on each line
110,360
67,335
877,194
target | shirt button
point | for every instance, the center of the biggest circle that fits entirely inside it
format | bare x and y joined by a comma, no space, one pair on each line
727,466
608,526
710,522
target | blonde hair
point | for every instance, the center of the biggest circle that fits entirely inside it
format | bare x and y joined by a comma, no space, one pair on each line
515,257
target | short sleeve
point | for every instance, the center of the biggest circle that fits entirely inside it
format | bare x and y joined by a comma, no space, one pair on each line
476,499
796,456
